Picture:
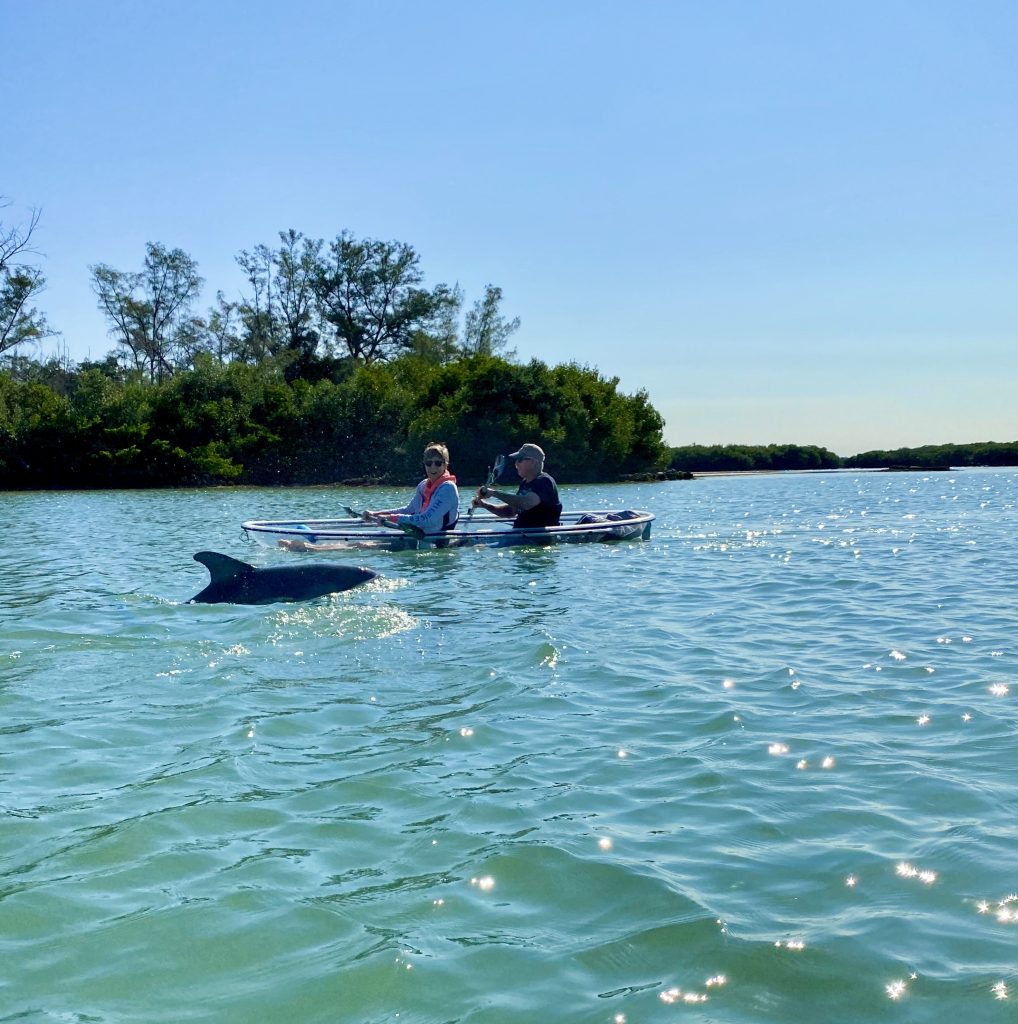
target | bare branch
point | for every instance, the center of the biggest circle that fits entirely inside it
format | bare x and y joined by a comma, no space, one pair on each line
14,241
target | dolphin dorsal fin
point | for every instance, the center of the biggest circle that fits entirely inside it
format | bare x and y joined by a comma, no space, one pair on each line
222,567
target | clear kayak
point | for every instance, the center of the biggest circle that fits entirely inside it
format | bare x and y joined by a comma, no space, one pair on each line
579,527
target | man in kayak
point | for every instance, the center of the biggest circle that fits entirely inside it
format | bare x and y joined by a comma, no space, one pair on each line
536,503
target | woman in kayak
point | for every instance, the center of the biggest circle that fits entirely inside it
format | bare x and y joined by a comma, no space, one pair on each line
435,505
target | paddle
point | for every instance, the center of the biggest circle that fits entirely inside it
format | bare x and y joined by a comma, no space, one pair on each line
407,528
494,472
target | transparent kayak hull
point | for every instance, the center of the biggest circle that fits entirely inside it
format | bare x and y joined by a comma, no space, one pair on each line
580,527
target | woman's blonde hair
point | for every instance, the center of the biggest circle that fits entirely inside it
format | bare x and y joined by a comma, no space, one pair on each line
437,446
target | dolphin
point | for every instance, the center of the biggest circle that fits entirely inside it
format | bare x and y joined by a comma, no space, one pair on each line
236,582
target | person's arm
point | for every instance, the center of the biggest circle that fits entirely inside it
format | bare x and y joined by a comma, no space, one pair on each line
378,513
498,510
410,508
513,503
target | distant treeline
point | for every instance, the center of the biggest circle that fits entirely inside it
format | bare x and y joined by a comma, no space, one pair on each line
99,425
103,425
717,458
939,456
733,458
337,364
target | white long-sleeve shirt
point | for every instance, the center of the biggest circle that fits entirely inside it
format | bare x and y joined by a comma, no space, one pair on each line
441,513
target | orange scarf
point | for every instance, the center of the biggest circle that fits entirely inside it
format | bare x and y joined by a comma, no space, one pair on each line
430,486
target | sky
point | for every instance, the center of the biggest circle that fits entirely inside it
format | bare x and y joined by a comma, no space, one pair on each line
788,221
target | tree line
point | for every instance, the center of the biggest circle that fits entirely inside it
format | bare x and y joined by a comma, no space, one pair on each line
337,363
94,425
776,457
939,456
736,457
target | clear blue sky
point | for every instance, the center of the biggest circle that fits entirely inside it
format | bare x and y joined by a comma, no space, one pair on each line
787,220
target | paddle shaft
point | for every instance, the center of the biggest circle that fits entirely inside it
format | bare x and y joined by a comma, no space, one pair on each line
493,472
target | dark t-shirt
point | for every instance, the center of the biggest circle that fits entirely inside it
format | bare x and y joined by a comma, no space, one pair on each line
550,509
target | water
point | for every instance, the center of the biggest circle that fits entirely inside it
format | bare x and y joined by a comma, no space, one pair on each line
761,768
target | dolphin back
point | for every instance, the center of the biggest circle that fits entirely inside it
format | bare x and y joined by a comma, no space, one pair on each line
236,582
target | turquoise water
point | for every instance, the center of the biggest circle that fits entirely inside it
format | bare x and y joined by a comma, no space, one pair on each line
760,768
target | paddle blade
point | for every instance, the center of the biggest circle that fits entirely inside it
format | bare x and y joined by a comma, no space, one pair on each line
504,471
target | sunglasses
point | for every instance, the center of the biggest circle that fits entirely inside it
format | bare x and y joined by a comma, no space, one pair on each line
434,462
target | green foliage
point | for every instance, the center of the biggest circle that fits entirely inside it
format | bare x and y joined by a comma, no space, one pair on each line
940,456
734,458
20,283
312,308
339,366
483,405
241,423
148,311
95,426
279,315
19,320
34,429
369,293
485,331
729,458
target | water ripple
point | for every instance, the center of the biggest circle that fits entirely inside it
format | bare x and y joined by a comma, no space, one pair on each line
758,769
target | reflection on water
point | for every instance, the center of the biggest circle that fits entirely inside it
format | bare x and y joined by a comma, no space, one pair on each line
763,762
